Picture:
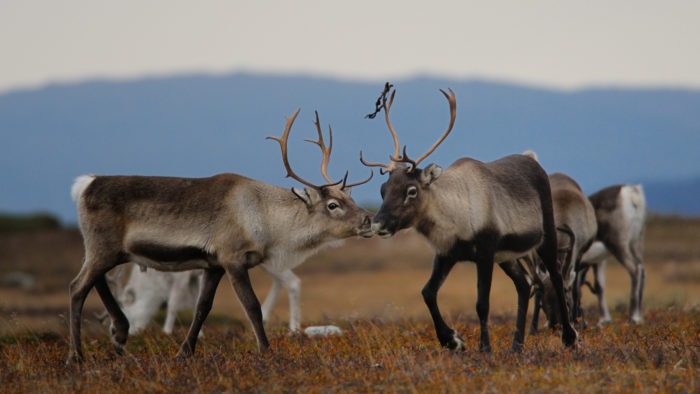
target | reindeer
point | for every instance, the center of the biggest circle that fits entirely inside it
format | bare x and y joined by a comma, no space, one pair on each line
574,216
482,212
621,213
145,291
226,223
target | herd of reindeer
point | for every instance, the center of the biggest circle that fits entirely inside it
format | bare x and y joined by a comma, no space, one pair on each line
184,234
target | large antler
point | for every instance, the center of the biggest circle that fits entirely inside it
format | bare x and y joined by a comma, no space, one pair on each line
325,150
396,159
283,145
453,115
397,147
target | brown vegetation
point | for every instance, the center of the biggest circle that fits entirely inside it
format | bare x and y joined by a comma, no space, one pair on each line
371,288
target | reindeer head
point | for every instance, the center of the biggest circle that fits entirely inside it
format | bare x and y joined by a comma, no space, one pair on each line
406,192
332,200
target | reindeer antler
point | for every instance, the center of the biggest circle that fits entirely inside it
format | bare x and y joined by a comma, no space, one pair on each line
325,150
453,115
396,158
283,145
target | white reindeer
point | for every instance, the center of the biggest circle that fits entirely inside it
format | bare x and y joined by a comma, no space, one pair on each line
145,291
225,224
621,214
483,212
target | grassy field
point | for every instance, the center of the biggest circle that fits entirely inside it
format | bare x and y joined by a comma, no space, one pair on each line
370,288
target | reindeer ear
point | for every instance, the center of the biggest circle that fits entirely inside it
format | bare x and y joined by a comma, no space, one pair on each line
430,174
309,196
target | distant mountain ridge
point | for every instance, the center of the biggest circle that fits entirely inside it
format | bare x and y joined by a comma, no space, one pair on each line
199,125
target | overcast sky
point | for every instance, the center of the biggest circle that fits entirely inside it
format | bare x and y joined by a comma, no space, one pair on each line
549,43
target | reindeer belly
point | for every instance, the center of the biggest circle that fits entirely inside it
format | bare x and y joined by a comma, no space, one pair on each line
168,258
512,246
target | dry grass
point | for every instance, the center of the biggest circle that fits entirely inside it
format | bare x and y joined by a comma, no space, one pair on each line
373,355
371,288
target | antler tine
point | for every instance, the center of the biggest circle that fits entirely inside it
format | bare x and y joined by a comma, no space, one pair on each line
453,114
346,186
283,146
387,109
325,150
404,159
385,167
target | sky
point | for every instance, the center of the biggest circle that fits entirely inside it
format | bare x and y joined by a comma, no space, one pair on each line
556,44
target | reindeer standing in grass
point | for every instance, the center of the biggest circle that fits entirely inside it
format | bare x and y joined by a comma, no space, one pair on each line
145,291
225,224
575,219
621,214
482,212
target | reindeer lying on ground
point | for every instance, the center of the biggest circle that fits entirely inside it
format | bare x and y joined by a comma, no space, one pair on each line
482,212
575,218
227,223
621,213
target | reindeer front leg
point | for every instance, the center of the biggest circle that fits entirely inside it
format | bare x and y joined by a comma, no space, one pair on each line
484,272
447,336
241,283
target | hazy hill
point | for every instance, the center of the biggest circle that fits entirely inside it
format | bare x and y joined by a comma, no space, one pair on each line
199,125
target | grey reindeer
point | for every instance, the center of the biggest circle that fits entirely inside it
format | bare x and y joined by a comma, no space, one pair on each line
472,211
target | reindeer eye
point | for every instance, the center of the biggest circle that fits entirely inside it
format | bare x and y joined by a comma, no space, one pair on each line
333,205
412,191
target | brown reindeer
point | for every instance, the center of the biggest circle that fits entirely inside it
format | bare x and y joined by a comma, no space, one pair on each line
227,223
575,218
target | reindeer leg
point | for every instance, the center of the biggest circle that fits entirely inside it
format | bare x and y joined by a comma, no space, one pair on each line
241,283
578,293
79,289
599,286
536,311
548,253
484,272
447,336
211,280
120,324
624,255
517,273
93,271
271,297
292,284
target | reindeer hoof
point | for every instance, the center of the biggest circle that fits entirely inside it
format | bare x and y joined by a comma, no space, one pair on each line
74,359
455,343
570,338
517,347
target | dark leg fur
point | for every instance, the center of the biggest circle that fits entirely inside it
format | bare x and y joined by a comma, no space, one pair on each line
516,272
210,282
484,271
241,283
446,335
